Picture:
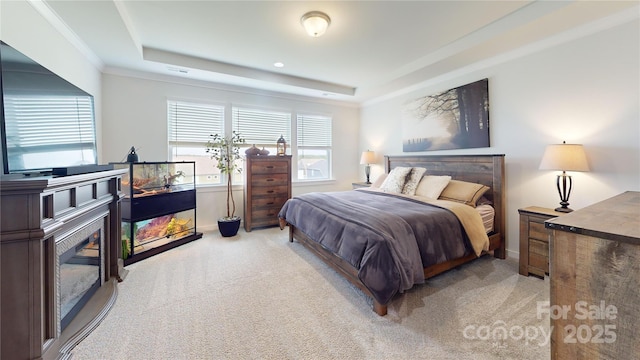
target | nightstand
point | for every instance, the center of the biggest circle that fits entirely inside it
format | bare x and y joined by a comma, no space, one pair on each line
534,240
357,185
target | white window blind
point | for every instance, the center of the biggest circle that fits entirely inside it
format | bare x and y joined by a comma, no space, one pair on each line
314,131
190,128
259,127
313,147
192,124
50,124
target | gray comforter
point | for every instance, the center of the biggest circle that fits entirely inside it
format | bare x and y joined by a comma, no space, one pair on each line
388,239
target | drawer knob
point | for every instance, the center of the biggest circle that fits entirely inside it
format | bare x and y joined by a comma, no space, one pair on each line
270,179
270,191
270,203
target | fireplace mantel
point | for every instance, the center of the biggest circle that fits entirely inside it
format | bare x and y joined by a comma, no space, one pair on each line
37,215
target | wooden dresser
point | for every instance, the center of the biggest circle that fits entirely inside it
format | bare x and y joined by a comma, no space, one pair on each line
267,188
595,252
534,240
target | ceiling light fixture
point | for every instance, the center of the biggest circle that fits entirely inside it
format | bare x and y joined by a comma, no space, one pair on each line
315,22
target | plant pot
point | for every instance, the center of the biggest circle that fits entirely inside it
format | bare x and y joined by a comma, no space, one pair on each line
229,227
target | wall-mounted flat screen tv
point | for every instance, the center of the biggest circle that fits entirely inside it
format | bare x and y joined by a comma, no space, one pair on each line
46,122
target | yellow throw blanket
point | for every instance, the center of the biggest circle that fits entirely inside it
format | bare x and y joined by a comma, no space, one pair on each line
470,219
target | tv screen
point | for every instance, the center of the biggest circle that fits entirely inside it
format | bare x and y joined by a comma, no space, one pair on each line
46,121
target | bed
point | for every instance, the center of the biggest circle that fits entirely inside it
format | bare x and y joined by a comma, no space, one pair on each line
385,243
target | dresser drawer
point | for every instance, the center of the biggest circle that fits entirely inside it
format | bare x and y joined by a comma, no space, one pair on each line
261,214
268,221
537,231
282,190
538,247
538,256
269,167
539,262
270,179
270,201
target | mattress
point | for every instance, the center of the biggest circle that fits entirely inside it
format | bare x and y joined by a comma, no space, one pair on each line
487,213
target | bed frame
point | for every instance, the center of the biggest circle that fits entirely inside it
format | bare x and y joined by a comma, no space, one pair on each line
483,169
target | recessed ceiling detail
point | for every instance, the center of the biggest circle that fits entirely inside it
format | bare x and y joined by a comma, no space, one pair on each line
172,58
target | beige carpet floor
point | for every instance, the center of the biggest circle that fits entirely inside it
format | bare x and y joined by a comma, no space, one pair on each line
257,296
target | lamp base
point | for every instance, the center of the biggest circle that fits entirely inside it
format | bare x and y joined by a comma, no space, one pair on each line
564,191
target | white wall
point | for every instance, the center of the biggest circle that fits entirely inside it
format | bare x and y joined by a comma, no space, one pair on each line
135,114
584,91
26,29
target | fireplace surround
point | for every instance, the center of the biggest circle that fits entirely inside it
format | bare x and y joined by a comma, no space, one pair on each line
49,225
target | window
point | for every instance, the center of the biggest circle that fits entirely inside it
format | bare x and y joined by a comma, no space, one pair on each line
314,147
48,131
190,127
261,128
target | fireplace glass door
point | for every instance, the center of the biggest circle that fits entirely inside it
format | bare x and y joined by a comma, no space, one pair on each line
79,277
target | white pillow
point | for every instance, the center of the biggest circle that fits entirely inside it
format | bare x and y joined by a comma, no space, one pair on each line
431,186
379,180
412,181
395,180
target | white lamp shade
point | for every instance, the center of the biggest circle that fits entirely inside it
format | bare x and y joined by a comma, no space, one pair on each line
565,157
315,23
368,157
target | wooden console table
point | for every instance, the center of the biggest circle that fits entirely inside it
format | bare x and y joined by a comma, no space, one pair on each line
38,213
594,275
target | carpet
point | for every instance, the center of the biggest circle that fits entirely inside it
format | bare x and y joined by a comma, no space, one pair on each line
257,296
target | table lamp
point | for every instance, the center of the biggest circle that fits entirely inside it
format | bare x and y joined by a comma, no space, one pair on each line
368,157
565,157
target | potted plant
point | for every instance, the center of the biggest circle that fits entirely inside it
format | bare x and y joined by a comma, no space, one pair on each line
226,151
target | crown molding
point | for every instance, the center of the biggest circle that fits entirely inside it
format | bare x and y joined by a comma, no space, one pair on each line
52,18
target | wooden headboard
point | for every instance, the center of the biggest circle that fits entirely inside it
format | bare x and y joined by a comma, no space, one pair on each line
484,169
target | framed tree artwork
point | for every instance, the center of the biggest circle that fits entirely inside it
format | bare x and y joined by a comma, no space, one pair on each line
454,119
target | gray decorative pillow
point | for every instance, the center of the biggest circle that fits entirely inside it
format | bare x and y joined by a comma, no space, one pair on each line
395,180
413,180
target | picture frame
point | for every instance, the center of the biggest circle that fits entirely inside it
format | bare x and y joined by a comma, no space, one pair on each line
457,118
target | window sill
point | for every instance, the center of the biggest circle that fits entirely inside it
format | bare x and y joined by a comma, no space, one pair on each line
296,183
301,183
